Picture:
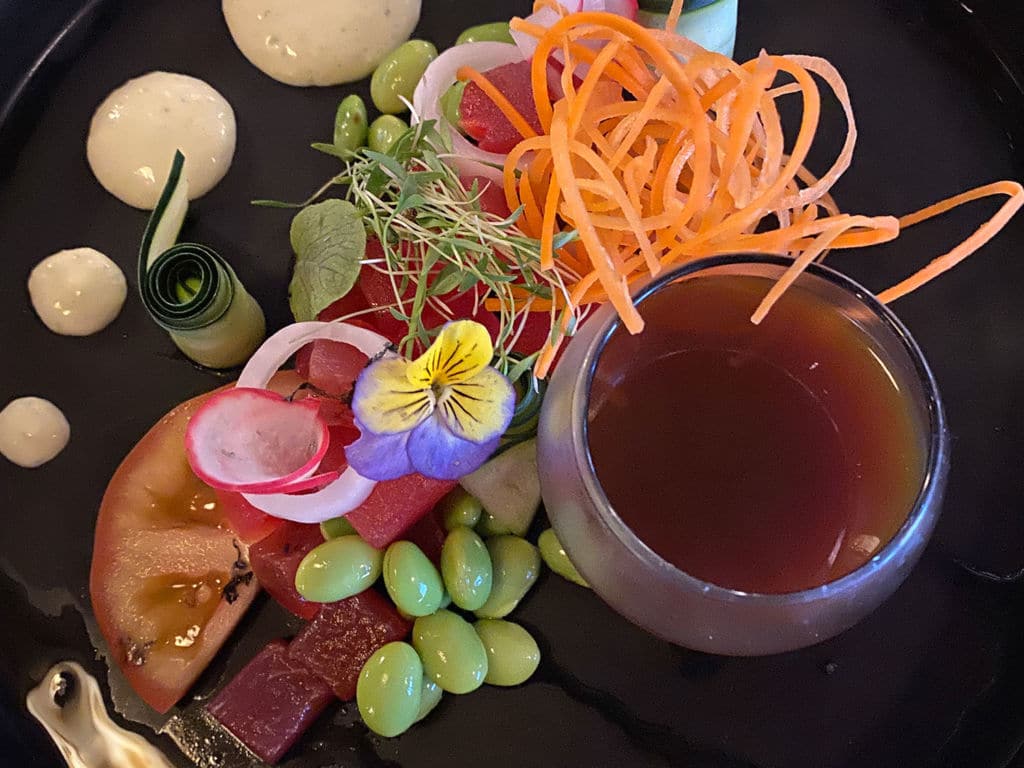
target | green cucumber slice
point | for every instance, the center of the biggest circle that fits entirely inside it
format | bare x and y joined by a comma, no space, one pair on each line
710,25
508,487
664,6
187,288
168,215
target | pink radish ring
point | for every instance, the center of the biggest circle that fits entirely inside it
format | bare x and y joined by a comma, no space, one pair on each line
350,489
256,441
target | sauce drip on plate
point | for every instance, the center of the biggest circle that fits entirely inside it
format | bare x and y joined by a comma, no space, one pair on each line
138,127
77,292
32,431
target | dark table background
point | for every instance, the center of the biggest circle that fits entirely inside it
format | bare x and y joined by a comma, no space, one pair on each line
27,27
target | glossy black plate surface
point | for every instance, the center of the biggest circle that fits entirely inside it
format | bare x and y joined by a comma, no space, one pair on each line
935,677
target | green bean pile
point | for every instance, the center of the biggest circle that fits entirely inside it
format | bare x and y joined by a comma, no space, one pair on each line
486,569
391,88
482,578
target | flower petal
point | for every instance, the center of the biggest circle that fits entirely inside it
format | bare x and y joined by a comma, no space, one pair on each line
479,409
380,457
384,400
459,353
436,452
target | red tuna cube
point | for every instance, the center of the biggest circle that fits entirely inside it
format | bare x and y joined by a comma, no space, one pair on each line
271,702
395,506
429,536
249,523
330,365
275,559
337,643
482,119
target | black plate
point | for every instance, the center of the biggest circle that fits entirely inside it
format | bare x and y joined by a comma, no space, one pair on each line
935,677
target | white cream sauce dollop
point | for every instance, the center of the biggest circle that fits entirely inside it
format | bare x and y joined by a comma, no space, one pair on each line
32,431
70,706
136,130
77,292
319,42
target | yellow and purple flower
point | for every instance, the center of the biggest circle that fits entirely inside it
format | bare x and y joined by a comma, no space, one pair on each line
441,415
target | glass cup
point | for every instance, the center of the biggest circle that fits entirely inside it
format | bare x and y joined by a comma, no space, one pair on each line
658,596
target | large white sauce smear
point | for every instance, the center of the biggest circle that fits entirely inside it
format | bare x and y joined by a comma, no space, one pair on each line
70,706
77,292
319,42
138,127
32,431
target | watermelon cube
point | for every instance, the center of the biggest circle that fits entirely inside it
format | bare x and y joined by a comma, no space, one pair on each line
271,702
275,559
249,523
394,507
337,643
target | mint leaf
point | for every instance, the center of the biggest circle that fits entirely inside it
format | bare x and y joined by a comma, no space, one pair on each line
329,241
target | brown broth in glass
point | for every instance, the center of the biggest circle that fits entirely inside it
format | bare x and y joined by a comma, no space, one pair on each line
770,458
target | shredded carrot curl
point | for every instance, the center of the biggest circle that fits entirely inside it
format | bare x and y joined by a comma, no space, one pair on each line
660,152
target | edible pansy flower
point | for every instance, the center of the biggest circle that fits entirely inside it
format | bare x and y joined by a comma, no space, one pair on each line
441,415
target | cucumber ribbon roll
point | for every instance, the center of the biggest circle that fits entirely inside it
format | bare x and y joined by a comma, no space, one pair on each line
190,290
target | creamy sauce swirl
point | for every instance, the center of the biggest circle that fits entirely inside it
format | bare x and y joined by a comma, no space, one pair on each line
32,431
77,292
70,706
137,128
319,42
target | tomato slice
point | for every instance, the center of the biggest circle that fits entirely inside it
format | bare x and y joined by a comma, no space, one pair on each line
169,578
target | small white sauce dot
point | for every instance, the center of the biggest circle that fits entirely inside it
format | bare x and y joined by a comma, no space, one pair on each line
32,431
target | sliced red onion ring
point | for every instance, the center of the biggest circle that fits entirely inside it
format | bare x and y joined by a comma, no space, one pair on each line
350,489
439,77
255,440
627,8
546,17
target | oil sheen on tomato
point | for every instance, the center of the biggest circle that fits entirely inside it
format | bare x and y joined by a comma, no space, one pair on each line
768,458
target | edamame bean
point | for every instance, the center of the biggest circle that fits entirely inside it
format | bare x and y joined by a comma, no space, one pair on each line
429,698
351,124
459,508
557,560
496,31
337,569
489,526
512,653
412,581
397,76
385,131
451,103
452,652
515,564
466,568
337,526
389,689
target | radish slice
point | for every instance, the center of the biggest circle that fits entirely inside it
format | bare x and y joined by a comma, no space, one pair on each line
255,440
440,75
350,489
314,482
